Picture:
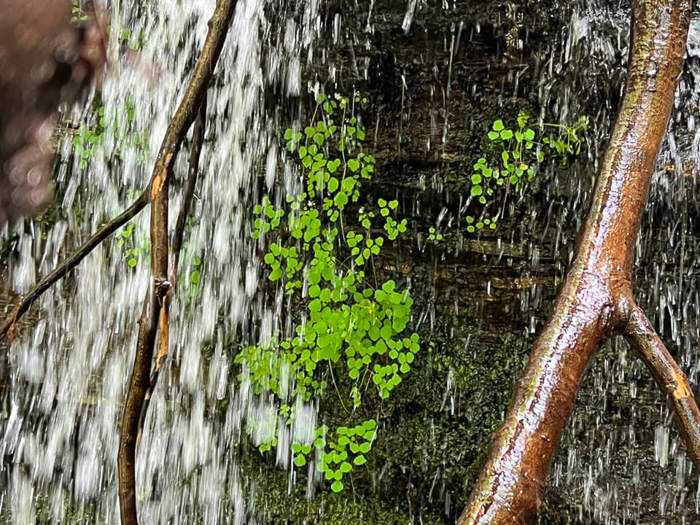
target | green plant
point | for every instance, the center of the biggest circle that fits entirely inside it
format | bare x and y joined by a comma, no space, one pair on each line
433,235
131,251
134,42
77,12
325,262
519,153
90,136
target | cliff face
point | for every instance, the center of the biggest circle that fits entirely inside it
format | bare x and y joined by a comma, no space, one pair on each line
438,74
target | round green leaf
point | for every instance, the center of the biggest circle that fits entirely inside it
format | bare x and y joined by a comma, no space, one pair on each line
337,486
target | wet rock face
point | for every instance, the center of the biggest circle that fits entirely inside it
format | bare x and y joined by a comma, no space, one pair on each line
48,56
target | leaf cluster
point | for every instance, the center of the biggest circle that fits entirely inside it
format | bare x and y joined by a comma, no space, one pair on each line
516,155
90,136
321,250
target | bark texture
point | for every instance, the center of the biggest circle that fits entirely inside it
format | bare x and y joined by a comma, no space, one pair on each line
596,298
48,56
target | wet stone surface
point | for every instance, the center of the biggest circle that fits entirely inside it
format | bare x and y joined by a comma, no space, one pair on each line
481,299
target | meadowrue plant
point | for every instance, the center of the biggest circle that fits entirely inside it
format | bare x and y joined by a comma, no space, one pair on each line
434,235
350,341
519,152
131,251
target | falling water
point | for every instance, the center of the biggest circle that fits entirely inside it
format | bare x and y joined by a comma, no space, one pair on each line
481,299
68,375
622,460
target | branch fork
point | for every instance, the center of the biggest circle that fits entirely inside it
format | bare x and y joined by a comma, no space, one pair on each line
596,298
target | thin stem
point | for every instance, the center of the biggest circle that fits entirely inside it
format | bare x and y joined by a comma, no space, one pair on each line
673,382
198,141
72,261
337,390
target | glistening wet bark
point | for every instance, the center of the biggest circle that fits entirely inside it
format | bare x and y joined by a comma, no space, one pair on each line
596,298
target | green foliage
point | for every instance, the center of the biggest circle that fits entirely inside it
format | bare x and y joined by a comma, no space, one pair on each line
136,247
132,251
351,325
90,136
340,456
433,235
77,12
515,157
135,42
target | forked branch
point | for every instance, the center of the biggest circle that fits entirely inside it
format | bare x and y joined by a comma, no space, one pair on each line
178,238
595,299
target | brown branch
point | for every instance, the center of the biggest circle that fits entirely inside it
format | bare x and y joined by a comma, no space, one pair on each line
596,296
151,320
179,125
178,237
643,338
197,143
140,377
138,384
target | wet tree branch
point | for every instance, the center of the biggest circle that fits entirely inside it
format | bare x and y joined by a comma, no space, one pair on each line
179,125
178,236
72,261
156,315
643,338
193,173
138,385
596,298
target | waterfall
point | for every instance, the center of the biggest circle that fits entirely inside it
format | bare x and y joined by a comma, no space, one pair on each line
66,378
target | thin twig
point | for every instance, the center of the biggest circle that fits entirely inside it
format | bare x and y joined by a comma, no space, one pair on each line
641,335
71,262
140,377
177,129
179,234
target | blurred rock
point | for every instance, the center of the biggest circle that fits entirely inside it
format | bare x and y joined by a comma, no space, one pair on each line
50,51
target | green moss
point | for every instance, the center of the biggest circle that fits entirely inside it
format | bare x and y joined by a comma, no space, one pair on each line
73,512
273,504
